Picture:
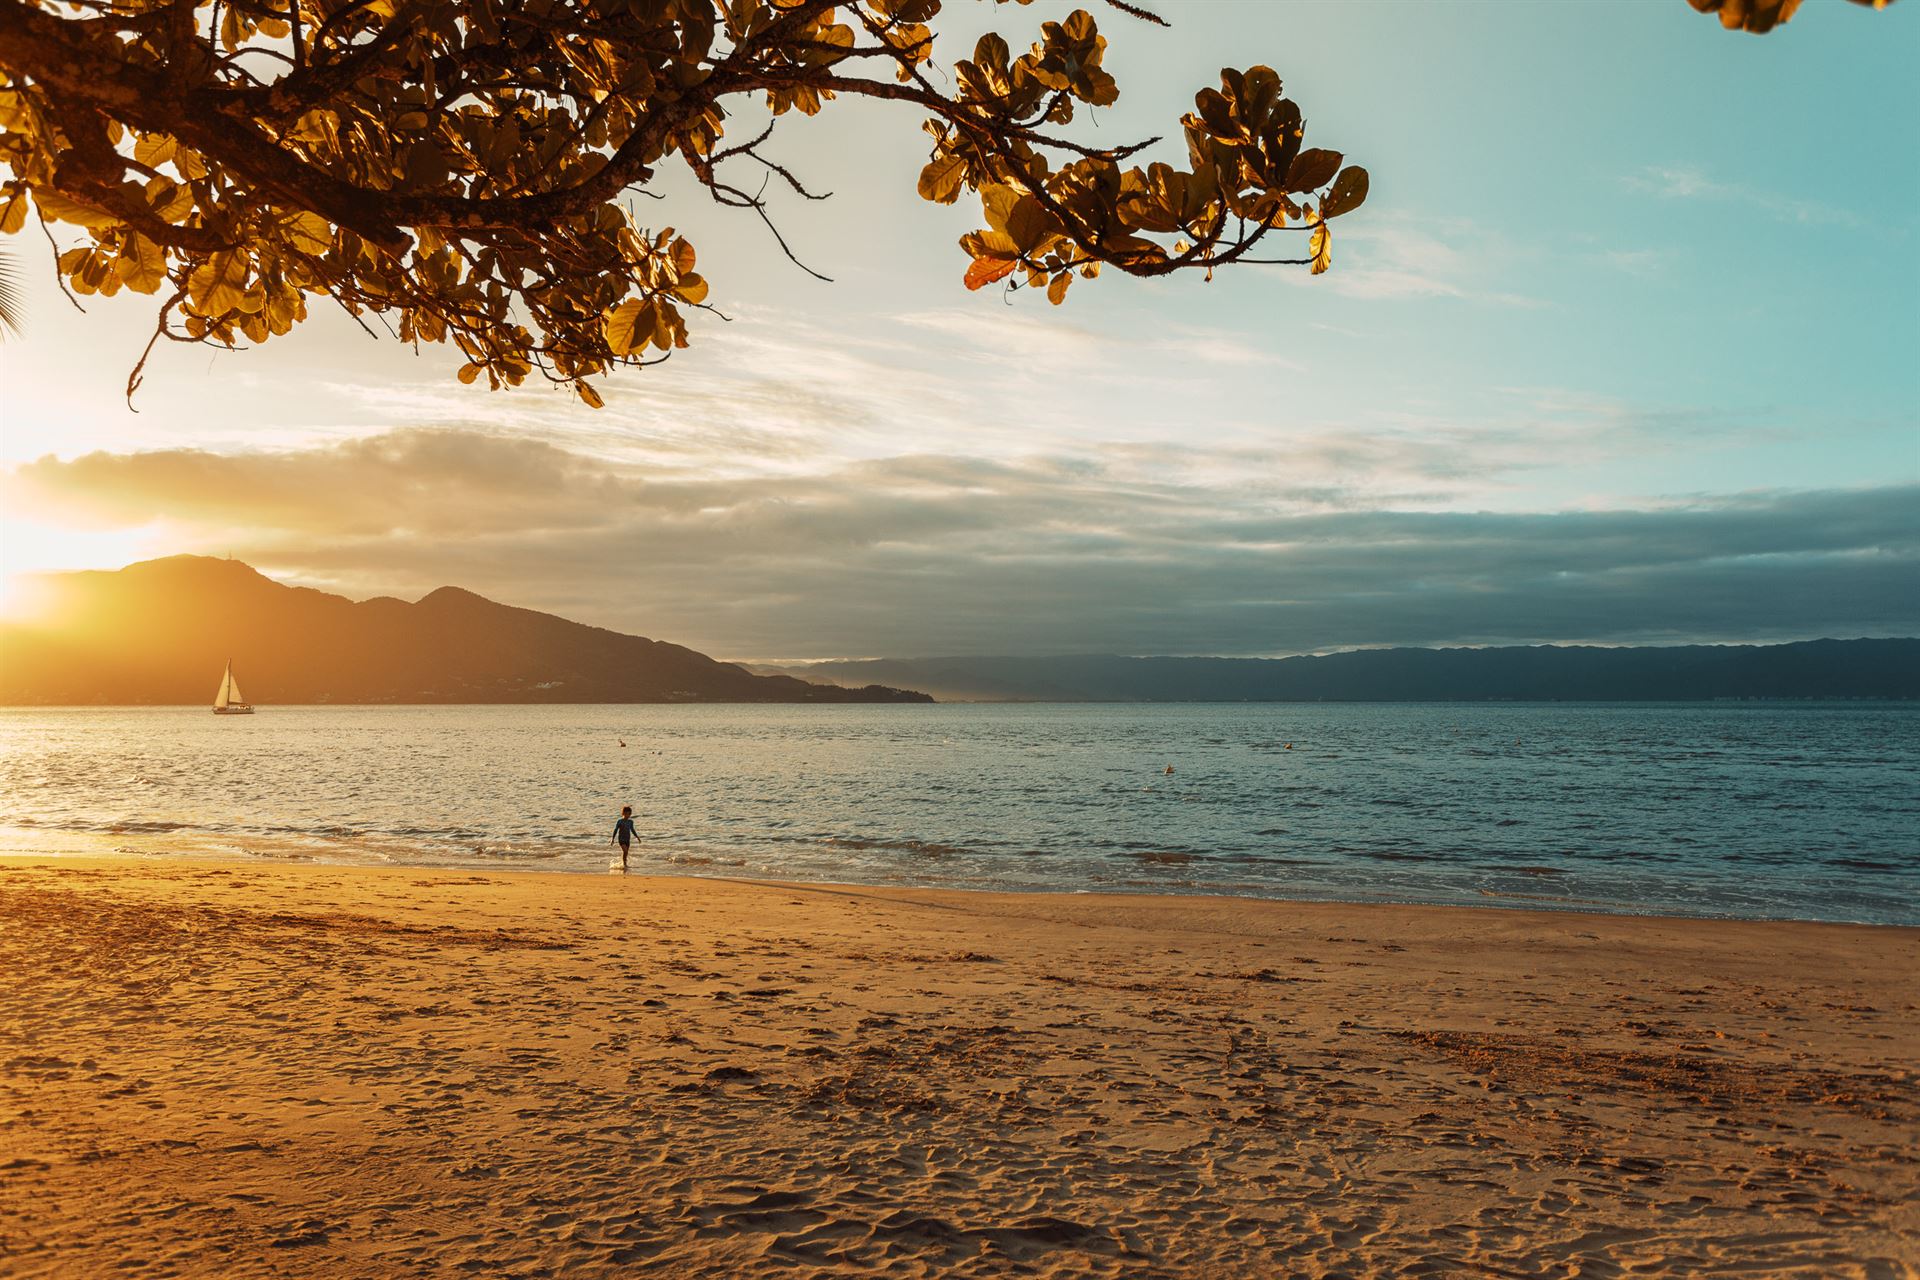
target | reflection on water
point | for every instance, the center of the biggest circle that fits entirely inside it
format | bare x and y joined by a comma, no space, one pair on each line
1752,809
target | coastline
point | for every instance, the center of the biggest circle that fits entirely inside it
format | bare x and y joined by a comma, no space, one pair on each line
243,849
246,1067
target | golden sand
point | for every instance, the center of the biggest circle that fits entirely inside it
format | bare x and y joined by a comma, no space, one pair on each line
234,1070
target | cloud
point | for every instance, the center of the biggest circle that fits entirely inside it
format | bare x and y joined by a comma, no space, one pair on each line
1392,258
439,483
1048,340
770,394
936,554
1684,182
1645,263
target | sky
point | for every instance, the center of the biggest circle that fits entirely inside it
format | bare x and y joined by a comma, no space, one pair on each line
1621,349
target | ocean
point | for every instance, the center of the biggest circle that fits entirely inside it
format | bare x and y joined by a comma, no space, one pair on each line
1760,810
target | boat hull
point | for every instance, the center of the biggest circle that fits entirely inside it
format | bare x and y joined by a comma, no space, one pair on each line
237,709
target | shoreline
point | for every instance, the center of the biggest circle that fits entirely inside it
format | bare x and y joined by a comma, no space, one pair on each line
903,893
248,1069
301,856
899,891
1891,700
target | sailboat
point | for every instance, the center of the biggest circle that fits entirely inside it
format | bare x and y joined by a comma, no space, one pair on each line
228,701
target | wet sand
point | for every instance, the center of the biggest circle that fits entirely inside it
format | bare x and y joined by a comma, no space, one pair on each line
240,1070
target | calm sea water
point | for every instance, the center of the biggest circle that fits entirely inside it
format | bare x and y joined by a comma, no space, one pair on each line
1761,810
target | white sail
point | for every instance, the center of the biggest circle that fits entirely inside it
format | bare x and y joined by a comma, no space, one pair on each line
229,701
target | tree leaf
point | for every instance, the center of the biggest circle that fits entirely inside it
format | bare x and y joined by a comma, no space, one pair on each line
1320,246
308,232
173,201
1312,169
941,180
154,149
629,326
1348,193
692,288
1216,114
63,209
1258,89
1018,215
218,285
984,271
1028,225
142,265
13,213
986,77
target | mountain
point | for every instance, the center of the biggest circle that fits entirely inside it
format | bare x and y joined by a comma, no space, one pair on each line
1547,673
160,632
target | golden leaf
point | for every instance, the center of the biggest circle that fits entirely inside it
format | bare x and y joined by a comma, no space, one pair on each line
664,320
984,271
308,232
189,163
1216,115
692,288
629,326
1311,169
171,200
142,265
1018,215
940,181
218,285
1348,193
154,149
62,209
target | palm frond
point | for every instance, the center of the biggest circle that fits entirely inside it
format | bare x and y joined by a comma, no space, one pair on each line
9,298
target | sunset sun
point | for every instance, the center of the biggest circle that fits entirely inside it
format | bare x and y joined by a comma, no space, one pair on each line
31,549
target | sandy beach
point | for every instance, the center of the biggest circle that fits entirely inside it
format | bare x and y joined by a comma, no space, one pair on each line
245,1070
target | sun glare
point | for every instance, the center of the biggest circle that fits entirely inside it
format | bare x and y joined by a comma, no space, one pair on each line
19,594
29,548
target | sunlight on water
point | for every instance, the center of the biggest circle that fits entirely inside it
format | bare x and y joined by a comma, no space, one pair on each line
1752,810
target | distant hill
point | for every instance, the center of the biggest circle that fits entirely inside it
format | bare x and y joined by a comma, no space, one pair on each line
1811,669
161,631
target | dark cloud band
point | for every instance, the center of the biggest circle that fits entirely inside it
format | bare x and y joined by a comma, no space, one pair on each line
935,554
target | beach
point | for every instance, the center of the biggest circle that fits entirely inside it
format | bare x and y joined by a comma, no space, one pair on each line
243,1069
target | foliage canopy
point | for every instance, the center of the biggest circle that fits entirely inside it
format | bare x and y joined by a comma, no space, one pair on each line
460,167
1761,16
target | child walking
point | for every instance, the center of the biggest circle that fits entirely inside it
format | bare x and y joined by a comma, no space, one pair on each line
623,832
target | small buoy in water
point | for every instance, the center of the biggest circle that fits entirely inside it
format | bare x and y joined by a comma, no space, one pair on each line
621,741
1288,747
1169,768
